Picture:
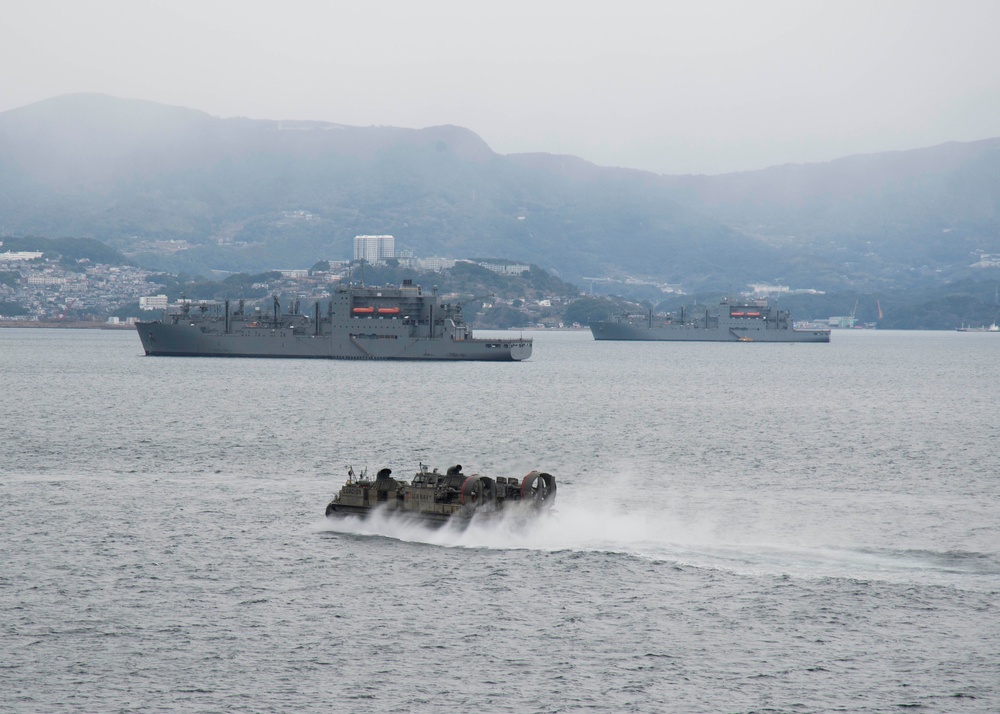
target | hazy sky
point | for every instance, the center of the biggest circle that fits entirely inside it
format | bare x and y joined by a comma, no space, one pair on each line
699,86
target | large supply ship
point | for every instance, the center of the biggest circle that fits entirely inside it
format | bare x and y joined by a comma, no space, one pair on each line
402,322
438,498
730,321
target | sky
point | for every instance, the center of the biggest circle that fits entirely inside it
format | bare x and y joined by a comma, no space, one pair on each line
700,86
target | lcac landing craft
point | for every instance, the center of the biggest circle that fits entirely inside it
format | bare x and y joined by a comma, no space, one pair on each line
438,498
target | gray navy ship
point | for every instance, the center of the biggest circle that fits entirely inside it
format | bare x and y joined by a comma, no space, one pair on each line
731,321
403,322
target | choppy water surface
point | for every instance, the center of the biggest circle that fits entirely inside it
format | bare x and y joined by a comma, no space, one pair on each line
740,527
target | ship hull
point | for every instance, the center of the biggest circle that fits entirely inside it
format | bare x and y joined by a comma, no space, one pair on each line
186,340
437,520
693,333
428,518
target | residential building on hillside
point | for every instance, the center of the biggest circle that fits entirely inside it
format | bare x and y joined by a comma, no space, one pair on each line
10,257
506,268
434,263
153,302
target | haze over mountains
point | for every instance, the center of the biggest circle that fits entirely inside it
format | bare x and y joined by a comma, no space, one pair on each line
179,190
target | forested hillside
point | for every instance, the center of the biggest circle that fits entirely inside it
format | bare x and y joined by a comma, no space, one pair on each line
178,190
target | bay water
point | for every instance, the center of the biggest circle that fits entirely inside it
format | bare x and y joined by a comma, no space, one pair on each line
739,527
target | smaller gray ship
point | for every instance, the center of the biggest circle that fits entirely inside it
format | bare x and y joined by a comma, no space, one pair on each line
439,498
358,322
730,321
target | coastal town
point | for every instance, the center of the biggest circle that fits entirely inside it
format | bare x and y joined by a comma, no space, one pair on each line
38,289
34,288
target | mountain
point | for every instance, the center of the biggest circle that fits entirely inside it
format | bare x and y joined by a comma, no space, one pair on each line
926,209
177,189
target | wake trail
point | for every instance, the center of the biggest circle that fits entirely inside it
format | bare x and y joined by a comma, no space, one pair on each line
701,544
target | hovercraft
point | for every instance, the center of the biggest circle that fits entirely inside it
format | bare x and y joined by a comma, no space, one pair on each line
438,498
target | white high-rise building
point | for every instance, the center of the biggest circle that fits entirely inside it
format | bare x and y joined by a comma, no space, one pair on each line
374,249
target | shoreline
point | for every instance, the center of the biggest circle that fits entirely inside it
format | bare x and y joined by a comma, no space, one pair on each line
66,325
95,325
